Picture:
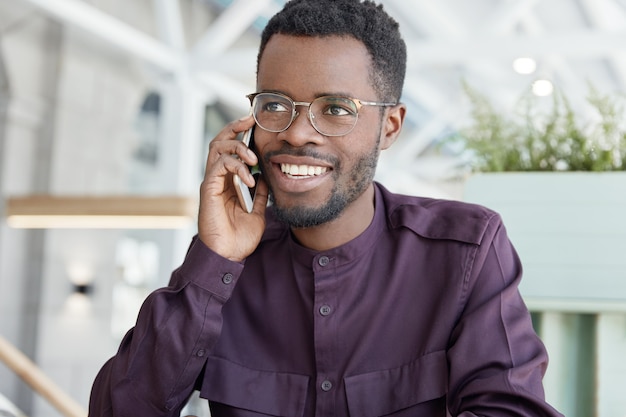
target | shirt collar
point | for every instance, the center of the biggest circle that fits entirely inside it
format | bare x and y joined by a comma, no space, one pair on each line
350,250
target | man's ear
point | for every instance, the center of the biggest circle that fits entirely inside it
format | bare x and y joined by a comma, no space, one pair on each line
392,125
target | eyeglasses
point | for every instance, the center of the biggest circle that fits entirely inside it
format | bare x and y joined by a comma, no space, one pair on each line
330,116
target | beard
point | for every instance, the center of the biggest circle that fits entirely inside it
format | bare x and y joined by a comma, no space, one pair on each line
343,193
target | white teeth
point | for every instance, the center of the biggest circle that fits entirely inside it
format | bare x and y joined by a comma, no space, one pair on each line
302,170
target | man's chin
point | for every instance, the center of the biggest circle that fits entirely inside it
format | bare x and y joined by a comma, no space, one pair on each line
303,216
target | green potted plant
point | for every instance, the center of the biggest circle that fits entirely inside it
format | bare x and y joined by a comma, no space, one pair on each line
536,137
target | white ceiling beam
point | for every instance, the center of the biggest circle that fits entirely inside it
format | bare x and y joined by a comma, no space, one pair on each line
230,92
432,17
238,63
597,11
437,22
115,32
166,58
169,23
604,14
444,23
507,14
228,27
584,44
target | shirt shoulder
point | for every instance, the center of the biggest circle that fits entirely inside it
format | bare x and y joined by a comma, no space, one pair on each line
438,218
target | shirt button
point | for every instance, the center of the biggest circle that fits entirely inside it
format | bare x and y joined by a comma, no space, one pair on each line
327,386
323,261
200,353
227,278
325,310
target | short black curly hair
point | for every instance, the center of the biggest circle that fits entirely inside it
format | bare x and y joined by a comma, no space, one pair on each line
365,21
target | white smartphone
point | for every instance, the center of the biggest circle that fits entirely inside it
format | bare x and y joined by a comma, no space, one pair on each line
246,194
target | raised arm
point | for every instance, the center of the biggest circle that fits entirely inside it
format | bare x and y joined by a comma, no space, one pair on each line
160,359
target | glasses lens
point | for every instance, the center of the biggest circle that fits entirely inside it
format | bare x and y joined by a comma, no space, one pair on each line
334,116
272,112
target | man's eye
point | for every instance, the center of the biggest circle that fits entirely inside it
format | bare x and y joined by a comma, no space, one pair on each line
337,111
275,107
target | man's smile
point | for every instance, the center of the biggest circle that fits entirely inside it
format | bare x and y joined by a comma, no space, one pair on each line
302,171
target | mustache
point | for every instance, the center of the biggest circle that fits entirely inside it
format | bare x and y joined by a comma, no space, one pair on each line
303,151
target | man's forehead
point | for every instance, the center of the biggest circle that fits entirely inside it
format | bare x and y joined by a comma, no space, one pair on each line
318,64
316,51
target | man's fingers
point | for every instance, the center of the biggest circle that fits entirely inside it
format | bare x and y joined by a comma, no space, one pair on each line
224,144
231,130
218,149
217,173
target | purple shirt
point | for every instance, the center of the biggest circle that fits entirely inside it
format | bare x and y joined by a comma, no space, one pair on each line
418,313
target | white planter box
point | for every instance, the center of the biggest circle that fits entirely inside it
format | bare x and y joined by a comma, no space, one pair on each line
570,231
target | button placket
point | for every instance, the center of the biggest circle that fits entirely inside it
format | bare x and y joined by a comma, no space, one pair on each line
325,331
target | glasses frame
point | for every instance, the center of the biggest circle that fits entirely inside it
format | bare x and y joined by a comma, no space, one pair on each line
294,113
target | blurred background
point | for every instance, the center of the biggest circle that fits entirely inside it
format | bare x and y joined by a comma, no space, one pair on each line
107,108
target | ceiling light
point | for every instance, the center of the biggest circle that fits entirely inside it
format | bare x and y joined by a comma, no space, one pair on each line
542,88
524,65
113,212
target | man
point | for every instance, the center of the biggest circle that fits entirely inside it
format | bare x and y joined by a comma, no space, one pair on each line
340,298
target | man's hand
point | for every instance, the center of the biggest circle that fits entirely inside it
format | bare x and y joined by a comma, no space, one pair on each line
223,225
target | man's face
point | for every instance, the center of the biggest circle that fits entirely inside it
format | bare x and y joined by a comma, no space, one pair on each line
312,177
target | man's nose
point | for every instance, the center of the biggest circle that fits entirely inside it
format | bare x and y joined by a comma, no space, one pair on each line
301,131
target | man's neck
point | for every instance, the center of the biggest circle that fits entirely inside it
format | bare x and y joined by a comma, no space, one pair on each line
351,223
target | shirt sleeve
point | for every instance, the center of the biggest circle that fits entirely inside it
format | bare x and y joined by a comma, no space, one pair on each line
159,360
497,361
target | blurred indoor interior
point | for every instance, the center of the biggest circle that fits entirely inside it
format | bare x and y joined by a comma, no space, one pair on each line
106,111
